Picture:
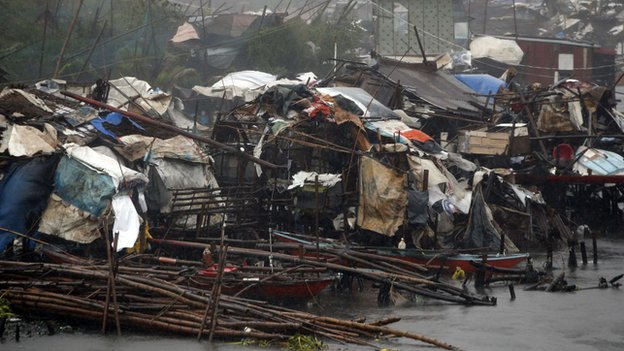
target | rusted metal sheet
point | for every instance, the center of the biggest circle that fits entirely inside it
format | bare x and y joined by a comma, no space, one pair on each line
435,87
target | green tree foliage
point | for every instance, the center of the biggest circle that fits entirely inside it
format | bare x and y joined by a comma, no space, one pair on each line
298,46
132,43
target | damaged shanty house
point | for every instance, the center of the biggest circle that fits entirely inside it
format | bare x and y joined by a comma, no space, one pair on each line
70,173
354,168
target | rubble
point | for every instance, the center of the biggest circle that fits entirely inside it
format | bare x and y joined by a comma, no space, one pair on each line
394,173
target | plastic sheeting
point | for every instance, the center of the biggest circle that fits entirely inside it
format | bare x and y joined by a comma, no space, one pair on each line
382,197
128,86
390,129
113,118
501,50
601,162
176,174
24,191
28,141
185,32
179,147
84,185
369,106
241,83
417,205
419,165
127,222
104,164
326,179
482,230
250,84
481,83
68,222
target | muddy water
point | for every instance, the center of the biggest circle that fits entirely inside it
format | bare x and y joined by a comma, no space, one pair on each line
535,320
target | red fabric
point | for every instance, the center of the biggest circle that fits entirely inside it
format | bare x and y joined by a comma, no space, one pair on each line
318,107
415,134
566,151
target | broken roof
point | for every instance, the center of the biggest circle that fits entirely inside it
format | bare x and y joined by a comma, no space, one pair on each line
437,88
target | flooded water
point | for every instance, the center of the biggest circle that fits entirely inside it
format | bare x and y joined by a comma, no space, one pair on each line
535,320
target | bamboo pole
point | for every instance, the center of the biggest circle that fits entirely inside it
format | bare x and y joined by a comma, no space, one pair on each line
69,33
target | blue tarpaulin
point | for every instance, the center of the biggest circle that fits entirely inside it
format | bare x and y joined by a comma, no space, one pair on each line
24,193
113,118
484,84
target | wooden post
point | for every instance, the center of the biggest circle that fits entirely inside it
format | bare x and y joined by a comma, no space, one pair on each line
420,46
316,216
583,253
69,33
549,257
111,289
345,208
513,5
512,291
512,138
594,248
203,39
572,257
479,276
213,305
532,122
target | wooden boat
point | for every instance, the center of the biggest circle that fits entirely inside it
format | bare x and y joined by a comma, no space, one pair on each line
449,260
292,287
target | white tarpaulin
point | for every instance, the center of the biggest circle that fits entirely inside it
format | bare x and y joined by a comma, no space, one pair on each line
325,179
250,84
102,163
242,84
127,222
501,50
128,86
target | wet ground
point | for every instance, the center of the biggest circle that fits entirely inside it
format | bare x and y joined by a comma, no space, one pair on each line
581,320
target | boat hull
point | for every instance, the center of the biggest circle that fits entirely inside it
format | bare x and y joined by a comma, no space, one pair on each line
451,262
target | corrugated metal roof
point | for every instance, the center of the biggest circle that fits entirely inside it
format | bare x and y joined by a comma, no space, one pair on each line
435,87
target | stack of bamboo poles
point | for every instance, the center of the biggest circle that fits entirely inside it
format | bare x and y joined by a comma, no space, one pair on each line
156,300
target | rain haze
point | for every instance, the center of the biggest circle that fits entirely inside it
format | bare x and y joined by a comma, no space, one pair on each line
311,175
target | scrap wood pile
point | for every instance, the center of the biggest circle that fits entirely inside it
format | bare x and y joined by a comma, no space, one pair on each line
156,299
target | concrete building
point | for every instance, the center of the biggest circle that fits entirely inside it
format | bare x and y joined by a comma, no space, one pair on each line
442,26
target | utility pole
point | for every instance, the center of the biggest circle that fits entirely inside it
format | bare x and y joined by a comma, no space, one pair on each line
485,16
513,4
